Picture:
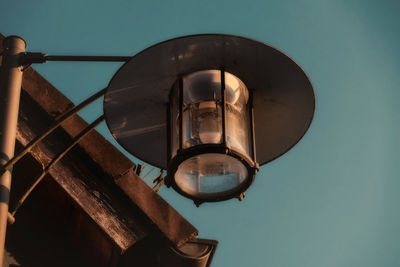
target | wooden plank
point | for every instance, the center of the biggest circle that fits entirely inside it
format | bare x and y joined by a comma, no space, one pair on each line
80,179
116,168
167,220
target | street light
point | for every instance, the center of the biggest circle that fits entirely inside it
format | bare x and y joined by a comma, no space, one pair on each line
210,109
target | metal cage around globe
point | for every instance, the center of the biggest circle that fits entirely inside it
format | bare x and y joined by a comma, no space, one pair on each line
137,107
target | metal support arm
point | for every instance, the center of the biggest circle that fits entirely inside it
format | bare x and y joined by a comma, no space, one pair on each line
56,124
56,159
30,58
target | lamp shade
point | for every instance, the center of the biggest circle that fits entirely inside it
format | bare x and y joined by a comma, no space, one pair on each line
236,94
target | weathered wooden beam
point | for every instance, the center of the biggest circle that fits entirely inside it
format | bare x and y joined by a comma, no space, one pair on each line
166,219
116,172
82,180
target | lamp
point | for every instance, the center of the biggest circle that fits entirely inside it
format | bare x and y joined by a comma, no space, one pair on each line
211,154
210,109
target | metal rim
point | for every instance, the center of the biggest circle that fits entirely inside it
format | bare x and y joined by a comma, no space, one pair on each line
252,169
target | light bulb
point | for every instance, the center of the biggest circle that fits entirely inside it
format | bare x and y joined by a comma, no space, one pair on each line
209,126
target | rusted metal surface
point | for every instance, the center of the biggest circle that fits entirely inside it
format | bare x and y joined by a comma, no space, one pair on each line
124,218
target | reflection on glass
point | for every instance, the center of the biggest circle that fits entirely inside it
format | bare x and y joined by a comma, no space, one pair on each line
202,116
202,111
237,122
208,174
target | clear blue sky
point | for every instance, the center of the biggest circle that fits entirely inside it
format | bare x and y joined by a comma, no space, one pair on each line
333,200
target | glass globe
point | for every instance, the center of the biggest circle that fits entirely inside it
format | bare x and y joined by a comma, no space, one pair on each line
209,175
206,106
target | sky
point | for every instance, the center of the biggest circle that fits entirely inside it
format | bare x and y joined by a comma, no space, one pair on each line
330,201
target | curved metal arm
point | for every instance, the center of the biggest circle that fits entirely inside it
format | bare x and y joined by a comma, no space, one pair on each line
57,158
57,123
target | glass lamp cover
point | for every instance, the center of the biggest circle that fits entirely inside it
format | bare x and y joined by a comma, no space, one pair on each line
210,174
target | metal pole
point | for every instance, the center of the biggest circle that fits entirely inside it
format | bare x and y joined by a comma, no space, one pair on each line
10,89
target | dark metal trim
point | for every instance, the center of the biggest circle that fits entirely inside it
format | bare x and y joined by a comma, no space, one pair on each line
34,57
222,148
180,90
89,58
252,169
251,119
223,107
169,133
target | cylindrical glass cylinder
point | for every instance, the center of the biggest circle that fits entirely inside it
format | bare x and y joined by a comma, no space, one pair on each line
201,115
237,114
202,121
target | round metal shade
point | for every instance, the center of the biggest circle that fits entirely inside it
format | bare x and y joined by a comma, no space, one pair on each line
136,101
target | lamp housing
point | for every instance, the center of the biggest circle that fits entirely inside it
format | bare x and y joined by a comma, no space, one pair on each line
211,151
211,109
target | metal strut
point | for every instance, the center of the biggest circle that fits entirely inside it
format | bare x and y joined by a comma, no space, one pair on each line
159,180
56,124
57,158
88,58
33,57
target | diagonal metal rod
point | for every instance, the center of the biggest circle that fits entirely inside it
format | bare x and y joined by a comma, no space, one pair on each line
151,170
140,168
57,158
158,185
158,176
56,124
159,180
